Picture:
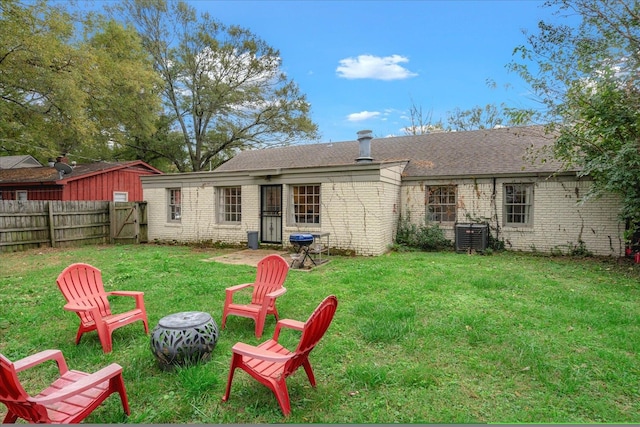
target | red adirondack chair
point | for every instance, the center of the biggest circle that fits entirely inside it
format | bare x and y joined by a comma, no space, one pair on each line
69,399
270,363
271,274
82,287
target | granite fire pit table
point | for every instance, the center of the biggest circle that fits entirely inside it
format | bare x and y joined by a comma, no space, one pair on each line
184,338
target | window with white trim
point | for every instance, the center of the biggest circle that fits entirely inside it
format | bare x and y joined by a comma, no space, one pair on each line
230,204
305,201
21,195
441,203
175,204
518,205
120,196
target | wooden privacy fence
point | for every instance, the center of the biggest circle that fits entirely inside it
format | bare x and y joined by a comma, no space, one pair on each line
52,223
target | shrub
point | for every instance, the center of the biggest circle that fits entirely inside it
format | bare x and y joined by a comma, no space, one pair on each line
580,250
426,237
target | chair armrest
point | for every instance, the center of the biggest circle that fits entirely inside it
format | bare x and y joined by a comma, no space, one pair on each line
287,323
238,287
271,296
38,358
125,293
85,383
75,307
258,353
291,324
139,296
276,293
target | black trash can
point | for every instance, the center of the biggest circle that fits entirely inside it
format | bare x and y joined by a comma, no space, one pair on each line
252,239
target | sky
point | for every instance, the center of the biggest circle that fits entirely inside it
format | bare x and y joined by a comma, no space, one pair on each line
363,64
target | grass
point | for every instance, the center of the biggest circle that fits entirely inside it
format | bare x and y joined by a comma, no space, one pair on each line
417,338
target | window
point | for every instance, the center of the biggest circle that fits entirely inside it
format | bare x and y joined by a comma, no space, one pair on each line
230,204
306,204
120,196
21,195
518,204
441,203
175,204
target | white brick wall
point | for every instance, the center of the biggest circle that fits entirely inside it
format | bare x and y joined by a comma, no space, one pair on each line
560,221
361,214
358,215
198,222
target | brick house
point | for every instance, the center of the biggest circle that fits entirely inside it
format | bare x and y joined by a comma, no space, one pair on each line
112,181
358,190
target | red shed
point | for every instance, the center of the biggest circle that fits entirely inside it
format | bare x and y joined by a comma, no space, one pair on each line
112,181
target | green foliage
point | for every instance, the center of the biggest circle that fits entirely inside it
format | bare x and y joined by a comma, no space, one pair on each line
426,237
494,243
587,75
222,86
180,91
487,117
578,250
123,99
69,83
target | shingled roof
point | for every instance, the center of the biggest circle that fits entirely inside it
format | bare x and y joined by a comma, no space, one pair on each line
487,152
49,174
25,161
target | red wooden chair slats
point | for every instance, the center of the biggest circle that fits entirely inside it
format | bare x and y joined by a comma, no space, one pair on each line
82,287
270,363
268,285
69,399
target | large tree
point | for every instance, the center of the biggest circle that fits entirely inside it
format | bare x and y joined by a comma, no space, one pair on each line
421,123
585,68
223,88
122,88
67,91
488,117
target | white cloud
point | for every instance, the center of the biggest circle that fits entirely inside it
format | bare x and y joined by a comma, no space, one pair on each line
363,115
374,67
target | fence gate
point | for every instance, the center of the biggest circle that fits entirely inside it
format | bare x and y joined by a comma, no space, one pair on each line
128,222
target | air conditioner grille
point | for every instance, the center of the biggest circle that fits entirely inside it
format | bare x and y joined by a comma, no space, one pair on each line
471,236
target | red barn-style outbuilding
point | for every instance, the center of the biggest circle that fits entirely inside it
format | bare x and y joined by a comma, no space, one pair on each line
110,181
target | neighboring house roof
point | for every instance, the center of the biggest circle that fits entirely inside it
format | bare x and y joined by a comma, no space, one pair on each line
48,174
26,161
487,152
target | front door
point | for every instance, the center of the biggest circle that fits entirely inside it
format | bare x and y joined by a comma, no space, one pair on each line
271,214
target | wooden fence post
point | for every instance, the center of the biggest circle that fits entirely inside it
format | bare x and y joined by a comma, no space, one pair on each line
52,228
112,222
136,221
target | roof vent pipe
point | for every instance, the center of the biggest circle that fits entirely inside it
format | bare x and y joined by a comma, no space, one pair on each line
364,138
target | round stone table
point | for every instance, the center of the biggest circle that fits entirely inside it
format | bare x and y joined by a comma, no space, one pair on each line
184,339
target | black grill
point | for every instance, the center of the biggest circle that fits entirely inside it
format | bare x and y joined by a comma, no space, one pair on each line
301,239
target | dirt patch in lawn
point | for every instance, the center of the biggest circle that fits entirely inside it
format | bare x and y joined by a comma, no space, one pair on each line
248,256
253,256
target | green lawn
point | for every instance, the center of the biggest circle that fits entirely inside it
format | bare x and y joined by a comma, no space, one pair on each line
417,338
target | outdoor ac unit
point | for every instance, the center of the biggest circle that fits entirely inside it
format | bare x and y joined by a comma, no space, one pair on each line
471,237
